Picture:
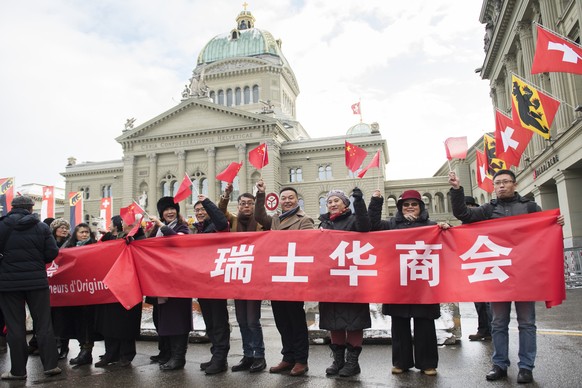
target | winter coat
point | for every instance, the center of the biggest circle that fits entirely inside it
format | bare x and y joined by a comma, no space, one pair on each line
216,222
496,208
29,247
298,221
346,316
429,311
232,218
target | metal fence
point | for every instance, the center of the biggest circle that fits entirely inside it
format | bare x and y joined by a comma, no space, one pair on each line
573,267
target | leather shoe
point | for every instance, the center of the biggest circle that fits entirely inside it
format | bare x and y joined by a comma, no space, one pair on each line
496,373
84,358
299,369
258,365
205,365
524,376
480,337
281,367
216,367
63,353
244,364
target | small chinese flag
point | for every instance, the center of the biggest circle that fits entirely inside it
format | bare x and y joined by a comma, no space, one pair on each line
354,156
356,108
259,156
185,189
374,163
128,213
229,172
456,147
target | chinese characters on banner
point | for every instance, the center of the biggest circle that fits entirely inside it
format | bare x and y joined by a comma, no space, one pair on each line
494,260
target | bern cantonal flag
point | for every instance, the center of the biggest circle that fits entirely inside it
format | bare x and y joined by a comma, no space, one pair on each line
456,147
128,213
259,156
556,54
6,195
483,178
105,212
230,172
510,139
354,156
356,108
493,162
531,108
76,208
185,189
47,207
374,163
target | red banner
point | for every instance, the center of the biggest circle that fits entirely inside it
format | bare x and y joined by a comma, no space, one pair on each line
496,260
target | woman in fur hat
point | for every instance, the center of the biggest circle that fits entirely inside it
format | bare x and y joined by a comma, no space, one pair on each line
172,316
423,353
345,321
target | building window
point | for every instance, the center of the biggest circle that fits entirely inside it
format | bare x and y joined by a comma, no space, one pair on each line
354,174
301,203
221,97
324,173
322,205
235,188
85,191
255,94
168,184
247,95
212,96
106,191
237,96
295,175
228,97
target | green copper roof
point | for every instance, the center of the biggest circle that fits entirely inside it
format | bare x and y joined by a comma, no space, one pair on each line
250,42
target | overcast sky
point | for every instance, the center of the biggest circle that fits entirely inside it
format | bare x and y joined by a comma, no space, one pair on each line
73,71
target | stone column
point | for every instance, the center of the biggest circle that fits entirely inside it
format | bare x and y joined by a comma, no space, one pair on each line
524,29
558,81
153,194
211,151
128,178
546,197
242,175
569,185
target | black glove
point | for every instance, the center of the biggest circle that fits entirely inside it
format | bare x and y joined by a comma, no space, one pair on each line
357,193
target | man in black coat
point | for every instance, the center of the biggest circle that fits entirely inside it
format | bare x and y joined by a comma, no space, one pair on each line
26,246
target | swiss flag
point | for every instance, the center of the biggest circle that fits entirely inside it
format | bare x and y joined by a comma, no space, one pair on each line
354,156
185,189
356,108
556,54
511,139
259,156
229,172
374,163
47,209
483,178
105,212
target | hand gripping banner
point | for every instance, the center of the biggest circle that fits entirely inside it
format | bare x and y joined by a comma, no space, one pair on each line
510,259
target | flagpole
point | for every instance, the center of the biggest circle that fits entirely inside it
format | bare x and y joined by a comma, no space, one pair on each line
543,90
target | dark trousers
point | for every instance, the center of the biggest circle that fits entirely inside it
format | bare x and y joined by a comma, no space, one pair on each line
38,301
215,314
292,326
484,318
120,349
422,353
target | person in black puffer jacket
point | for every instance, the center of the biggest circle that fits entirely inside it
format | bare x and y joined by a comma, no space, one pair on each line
423,353
345,321
26,246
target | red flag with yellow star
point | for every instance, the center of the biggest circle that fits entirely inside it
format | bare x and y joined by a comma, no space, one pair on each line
259,157
354,156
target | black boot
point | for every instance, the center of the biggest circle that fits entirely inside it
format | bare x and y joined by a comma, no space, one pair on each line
352,367
84,357
179,346
339,355
244,364
165,350
64,348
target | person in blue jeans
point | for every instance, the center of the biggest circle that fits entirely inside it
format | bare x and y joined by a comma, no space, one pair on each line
508,203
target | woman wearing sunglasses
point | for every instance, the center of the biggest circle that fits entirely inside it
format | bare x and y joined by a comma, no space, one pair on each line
422,353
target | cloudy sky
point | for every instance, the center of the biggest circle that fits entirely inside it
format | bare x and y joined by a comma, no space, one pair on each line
73,71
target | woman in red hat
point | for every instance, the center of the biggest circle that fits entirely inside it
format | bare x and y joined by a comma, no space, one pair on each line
423,352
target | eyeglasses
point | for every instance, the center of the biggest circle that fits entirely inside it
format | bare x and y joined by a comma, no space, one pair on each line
244,203
503,182
63,228
200,210
410,204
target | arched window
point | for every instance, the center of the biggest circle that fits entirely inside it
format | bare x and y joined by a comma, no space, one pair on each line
299,175
247,95
220,97
167,186
255,93
322,205
321,173
85,191
439,199
212,96
301,204
237,96
391,203
228,97
328,172
254,179
204,183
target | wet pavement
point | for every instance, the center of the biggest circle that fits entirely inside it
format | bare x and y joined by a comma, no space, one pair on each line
464,364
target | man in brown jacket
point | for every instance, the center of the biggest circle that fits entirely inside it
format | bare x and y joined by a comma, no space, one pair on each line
289,316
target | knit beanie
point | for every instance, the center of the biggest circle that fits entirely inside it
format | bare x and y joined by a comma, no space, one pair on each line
340,194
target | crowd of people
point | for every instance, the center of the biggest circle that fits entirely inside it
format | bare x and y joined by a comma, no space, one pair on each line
27,245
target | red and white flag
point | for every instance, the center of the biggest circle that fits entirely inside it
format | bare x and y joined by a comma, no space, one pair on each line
483,178
356,109
555,53
374,163
185,189
511,139
47,209
456,147
105,212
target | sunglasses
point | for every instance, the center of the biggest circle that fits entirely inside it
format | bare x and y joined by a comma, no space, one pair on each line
410,204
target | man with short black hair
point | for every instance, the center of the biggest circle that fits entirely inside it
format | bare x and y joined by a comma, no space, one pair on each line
508,203
26,246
